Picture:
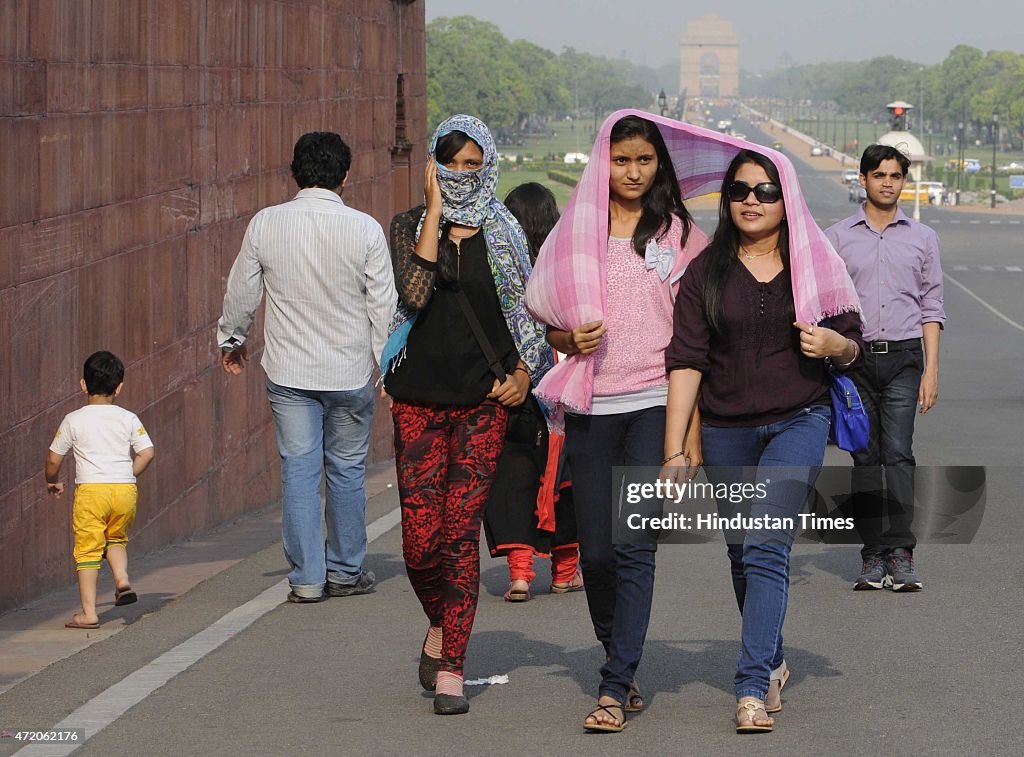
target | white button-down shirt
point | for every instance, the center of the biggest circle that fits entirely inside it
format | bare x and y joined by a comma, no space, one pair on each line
330,292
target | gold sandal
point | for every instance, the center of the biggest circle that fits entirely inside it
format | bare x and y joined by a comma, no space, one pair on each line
776,683
748,711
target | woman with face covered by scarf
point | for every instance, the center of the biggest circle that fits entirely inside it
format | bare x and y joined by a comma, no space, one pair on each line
461,253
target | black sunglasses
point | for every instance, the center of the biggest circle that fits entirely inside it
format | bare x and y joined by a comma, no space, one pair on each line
766,192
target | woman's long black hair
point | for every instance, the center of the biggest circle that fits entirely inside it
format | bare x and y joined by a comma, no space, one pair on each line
662,200
723,250
535,208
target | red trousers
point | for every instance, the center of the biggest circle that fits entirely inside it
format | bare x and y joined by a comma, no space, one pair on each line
446,456
565,561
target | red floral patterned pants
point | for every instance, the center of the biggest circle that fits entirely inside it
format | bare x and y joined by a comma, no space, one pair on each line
446,455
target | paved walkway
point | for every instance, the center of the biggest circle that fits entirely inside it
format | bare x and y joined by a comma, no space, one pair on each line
33,636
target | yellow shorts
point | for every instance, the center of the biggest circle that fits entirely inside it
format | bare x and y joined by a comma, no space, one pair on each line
103,513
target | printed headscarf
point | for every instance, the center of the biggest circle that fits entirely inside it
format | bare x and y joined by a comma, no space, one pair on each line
568,287
467,197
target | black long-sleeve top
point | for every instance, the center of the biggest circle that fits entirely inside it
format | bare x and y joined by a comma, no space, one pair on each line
444,364
753,371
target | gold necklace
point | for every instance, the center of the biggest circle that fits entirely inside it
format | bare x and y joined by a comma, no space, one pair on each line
748,256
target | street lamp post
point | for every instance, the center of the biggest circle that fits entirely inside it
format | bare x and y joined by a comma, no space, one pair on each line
960,159
995,139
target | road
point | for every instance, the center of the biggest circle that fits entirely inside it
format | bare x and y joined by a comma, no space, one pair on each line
875,672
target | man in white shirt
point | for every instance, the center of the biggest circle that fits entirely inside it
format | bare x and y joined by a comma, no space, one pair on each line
330,297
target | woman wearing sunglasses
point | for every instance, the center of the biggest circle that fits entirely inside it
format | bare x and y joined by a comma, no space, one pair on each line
747,349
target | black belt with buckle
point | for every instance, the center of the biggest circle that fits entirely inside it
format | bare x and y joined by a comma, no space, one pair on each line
882,348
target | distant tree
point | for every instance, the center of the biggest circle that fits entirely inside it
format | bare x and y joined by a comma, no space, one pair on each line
546,76
472,68
969,85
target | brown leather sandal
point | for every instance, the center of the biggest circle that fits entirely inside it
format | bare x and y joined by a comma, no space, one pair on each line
576,584
619,717
518,595
634,699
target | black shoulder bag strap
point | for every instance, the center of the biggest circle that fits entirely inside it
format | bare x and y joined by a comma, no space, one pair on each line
478,331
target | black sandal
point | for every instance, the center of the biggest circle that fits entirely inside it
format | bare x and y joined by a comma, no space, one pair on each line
428,668
618,725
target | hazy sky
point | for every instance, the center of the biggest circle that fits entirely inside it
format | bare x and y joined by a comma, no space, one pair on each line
810,31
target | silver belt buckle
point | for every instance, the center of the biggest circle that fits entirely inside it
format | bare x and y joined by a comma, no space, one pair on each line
880,348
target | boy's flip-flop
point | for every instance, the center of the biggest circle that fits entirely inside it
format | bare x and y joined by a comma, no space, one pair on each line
125,596
75,624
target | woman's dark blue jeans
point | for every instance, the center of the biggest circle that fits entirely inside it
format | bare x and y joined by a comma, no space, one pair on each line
619,578
787,456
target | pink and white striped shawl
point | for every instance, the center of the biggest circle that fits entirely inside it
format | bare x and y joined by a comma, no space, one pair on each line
568,285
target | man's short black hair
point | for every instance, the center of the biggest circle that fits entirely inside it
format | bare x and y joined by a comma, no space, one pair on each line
103,373
874,155
320,159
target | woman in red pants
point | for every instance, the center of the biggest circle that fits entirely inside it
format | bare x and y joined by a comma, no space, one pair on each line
463,350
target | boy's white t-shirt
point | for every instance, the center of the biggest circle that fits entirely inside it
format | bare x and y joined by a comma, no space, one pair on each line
102,437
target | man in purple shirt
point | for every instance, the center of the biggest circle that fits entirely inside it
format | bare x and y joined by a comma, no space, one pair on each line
894,263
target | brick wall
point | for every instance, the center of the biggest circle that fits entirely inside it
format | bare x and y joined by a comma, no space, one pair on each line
137,138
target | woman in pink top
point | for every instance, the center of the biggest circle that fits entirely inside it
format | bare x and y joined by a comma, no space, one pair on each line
650,238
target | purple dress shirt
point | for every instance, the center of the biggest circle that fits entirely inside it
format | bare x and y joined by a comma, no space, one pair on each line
896,272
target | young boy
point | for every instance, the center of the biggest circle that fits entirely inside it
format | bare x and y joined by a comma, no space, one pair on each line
103,438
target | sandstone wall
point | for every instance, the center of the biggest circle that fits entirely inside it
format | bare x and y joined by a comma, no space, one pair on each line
137,138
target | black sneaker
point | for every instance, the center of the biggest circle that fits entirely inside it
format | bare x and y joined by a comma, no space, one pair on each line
872,575
363,585
902,576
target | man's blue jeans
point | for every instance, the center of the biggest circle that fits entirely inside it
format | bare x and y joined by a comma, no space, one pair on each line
760,565
882,480
618,578
318,430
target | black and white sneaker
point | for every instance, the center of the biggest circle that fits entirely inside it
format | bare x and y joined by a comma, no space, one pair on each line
872,575
902,576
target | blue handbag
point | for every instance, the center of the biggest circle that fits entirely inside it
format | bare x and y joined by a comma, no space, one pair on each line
850,423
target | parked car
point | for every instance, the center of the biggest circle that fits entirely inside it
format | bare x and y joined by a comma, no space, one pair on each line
1013,165
851,176
857,193
817,151
777,146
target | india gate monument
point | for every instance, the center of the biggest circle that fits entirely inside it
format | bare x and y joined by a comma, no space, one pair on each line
709,61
